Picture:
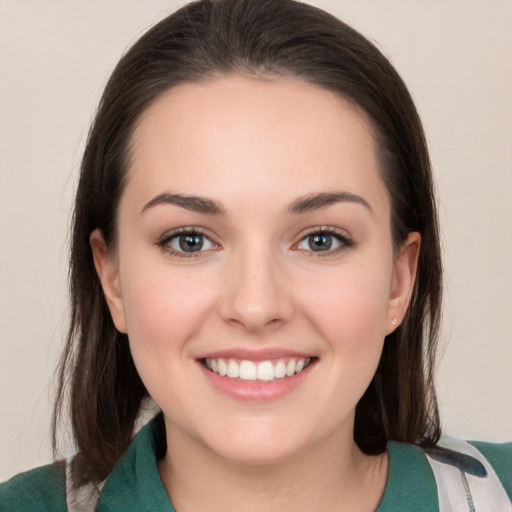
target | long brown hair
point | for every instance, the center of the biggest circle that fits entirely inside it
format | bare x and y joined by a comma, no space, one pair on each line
203,40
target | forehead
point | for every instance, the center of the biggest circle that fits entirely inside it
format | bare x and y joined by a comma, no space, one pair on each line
239,135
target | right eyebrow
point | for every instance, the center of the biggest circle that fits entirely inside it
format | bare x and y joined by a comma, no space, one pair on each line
321,200
193,203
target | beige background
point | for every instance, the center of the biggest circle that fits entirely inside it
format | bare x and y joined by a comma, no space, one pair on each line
456,57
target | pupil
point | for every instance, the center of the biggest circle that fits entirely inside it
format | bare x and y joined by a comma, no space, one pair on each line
191,243
320,242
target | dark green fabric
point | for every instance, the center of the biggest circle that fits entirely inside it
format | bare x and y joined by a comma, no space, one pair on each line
39,490
411,484
500,458
135,484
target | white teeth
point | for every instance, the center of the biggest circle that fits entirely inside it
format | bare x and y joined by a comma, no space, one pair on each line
233,370
290,368
264,371
248,370
223,368
280,370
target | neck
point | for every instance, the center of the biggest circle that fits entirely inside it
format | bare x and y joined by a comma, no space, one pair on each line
333,476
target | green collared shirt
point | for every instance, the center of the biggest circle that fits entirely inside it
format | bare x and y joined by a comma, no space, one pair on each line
135,484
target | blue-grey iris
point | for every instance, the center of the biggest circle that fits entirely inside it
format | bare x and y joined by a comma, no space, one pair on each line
191,243
320,242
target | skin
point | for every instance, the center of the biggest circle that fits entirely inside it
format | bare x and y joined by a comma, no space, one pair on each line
255,147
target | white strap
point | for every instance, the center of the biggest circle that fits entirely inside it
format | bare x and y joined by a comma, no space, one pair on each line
459,491
83,499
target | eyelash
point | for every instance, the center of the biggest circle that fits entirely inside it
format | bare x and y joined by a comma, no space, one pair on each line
164,242
344,241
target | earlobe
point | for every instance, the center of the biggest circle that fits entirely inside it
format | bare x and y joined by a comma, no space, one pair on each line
107,270
404,277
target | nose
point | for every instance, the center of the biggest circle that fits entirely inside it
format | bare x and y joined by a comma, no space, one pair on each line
255,294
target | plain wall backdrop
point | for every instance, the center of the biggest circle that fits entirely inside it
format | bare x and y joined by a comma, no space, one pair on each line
455,56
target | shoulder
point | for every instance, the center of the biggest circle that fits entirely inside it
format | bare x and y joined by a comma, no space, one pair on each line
41,489
499,456
469,477
432,476
410,480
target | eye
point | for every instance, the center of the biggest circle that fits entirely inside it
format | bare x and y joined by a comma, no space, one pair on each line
324,240
187,242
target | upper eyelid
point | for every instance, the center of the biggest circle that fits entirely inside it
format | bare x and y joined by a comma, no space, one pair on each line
184,231
331,230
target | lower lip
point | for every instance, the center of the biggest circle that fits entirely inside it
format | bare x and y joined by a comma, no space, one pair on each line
256,391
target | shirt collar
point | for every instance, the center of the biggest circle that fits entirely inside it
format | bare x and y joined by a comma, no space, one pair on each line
135,482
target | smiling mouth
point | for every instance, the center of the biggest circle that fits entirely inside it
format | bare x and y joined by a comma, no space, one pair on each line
262,371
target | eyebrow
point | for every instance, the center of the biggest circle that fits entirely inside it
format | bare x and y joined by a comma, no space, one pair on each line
321,200
304,204
192,203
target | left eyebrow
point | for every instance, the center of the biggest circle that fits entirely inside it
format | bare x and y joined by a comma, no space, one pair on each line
192,203
321,200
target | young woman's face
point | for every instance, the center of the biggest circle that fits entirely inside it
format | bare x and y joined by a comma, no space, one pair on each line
254,239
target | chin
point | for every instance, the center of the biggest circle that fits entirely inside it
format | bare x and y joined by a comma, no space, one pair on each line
258,446
258,455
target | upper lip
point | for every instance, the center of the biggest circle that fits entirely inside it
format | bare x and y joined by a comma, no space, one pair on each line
255,355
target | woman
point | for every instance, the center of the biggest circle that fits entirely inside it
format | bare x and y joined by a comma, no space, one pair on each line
255,247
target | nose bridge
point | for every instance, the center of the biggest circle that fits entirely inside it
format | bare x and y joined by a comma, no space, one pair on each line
255,294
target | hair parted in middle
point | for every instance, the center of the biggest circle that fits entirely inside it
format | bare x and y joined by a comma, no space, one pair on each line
262,39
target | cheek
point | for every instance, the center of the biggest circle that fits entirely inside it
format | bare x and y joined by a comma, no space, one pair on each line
163,313
350,311
162,310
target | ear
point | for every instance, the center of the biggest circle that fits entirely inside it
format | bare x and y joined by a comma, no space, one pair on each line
402,283
107,270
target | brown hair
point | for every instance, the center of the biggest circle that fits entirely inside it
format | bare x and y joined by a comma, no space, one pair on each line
203,40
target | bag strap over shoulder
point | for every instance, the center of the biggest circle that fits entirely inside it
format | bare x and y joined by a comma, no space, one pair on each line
465,480
84,498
